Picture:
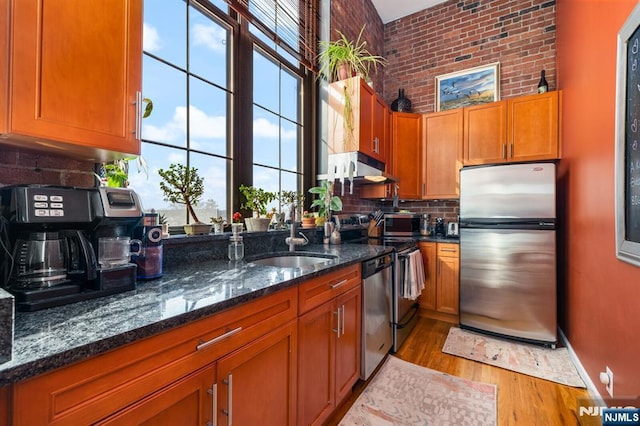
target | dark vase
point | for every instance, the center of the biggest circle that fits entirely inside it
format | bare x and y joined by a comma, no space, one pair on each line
401,104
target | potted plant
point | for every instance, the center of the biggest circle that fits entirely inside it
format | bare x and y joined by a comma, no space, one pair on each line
183,185
308,220
326,201
340,59
294,200
256,200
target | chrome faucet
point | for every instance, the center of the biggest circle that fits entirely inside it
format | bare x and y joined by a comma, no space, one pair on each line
292,240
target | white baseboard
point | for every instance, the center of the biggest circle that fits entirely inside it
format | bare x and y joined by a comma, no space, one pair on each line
591,387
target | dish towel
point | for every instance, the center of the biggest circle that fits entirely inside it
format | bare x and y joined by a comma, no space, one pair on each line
414,276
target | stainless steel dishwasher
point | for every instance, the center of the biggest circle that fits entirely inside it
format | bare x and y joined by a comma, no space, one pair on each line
377,282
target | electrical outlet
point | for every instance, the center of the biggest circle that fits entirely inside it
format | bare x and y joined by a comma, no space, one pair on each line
609,386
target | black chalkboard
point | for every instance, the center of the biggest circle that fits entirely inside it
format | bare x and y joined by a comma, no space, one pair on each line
632,140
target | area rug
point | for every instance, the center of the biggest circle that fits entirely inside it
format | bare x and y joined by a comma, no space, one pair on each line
402,393
537,361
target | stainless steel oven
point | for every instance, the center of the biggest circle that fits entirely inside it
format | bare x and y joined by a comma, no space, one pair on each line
404,312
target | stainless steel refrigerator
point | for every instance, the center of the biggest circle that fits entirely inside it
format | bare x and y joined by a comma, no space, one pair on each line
508,251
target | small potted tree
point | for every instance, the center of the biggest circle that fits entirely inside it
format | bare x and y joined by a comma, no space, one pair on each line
256,200
326,203
183,185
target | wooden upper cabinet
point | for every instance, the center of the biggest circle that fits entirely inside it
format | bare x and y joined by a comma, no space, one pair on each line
485,133
442,154
519,129
356,119
533,127
75,77
407,154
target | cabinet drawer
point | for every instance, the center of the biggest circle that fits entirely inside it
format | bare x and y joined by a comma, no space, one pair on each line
448,249
319,290
90,390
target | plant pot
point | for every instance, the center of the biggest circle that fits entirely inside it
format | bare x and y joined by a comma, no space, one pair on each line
308,222
257,224
197,228
320,221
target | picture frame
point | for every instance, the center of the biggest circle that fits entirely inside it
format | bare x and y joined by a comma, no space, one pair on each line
627,141
472,86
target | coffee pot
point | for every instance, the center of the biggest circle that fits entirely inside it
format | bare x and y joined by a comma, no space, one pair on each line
48,259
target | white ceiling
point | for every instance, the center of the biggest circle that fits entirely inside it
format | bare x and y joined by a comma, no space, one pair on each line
390,10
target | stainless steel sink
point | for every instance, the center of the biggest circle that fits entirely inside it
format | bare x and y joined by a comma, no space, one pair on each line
297,260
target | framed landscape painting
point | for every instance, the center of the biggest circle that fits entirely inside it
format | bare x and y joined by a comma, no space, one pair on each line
469,87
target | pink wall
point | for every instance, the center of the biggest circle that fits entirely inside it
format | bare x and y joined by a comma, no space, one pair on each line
602,293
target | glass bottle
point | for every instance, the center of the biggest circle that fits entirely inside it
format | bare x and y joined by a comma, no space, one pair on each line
424,224
236,248
543,86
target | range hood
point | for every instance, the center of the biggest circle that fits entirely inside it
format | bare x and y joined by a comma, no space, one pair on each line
356,167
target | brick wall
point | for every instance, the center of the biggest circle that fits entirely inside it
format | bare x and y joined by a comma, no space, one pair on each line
462,34
18,167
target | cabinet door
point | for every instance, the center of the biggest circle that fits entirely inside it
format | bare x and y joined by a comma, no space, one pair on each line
407,155
485,133
428,296
379,125
348,342
447,297
189,401
533,127
366,141
257,383
442,152
316,361
75,72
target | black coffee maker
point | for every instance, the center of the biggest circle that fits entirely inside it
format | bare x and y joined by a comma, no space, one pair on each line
51,240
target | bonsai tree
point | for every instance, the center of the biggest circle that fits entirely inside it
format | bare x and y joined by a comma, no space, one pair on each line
326,201
182,185
256,199
342,58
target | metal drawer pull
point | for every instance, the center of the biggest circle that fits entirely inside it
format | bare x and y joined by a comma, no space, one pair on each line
229,412
203,345
339,283
343,320
448,249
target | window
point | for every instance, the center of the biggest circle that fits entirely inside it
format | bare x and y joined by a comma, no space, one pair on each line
276,126
191,72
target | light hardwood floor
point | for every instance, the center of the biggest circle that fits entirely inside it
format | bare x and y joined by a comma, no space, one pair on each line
522,400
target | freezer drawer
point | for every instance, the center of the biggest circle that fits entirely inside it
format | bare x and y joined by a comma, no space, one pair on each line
508,282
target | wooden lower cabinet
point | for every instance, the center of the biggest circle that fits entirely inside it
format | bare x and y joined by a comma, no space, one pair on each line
440,298
173,370
284,359
257,383
428,297
329,356
190,401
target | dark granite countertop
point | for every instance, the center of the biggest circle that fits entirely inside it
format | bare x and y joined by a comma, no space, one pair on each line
55,337
452,240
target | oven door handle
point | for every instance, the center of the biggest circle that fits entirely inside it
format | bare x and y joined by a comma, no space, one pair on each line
415,307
